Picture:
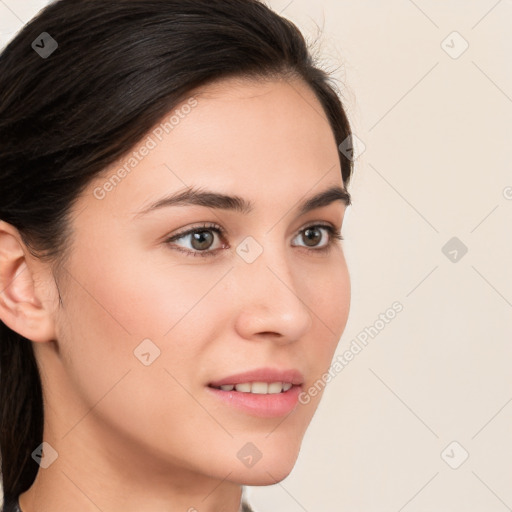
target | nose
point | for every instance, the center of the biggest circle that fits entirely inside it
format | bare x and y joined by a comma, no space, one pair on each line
270,301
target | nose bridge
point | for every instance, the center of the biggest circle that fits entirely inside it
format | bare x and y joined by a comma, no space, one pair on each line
271,302
267,258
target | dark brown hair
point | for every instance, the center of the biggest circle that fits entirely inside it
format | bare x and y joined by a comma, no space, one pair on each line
119,67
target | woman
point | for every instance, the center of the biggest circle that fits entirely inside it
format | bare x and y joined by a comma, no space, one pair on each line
173,281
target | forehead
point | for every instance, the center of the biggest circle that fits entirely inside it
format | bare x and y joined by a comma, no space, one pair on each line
243,136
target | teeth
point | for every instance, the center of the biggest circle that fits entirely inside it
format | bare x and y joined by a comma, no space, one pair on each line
275,387
258,388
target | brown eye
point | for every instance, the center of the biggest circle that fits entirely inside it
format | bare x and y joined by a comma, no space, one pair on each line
201,240
312,236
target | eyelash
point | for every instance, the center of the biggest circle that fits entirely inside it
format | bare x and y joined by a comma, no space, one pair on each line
334,236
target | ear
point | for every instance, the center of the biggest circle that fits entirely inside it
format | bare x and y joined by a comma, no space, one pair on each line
22,307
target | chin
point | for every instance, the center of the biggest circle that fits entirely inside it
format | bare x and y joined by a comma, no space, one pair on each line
274,466
265,475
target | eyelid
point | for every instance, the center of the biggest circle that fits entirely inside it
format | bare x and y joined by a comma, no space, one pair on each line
212,225
334,233
203,226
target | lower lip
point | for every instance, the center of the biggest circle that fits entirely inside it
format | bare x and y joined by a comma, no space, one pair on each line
264,406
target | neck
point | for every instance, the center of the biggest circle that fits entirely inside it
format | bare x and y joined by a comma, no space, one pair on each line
119,476
66,493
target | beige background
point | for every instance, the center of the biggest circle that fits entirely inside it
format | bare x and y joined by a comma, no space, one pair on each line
435,123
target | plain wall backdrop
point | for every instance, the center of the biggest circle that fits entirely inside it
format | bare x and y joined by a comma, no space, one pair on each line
421,417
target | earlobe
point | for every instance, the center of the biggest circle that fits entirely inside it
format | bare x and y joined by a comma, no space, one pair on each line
20,307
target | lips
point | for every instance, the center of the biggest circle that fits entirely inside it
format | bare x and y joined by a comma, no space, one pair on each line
255,392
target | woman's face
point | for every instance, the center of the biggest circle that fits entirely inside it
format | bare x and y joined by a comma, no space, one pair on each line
148,324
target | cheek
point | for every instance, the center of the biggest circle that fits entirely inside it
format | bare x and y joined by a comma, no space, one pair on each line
107,318
116,310
329,302
140,297
329,306
337,297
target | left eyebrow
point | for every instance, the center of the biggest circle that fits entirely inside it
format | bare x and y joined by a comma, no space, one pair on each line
215,200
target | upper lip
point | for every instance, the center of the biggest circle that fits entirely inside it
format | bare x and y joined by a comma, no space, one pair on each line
269,375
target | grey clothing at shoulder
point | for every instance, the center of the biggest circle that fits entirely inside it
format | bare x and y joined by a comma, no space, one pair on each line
245,507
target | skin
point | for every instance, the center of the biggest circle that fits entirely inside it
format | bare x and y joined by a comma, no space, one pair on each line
132,437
